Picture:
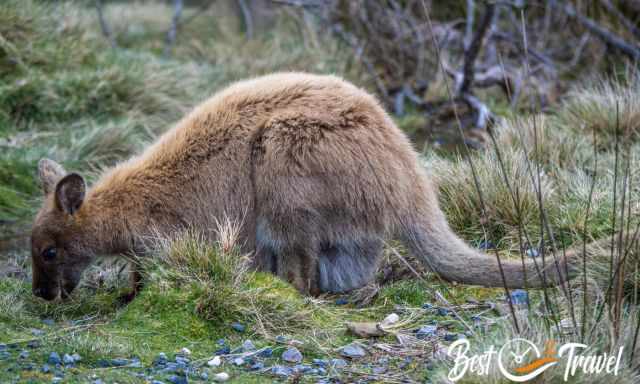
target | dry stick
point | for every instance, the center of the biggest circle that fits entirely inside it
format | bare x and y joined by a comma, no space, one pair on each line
620,279
468,154
544,226
471,53
607,36
547,297
248,19
615,200
623,19
106,31
173,29
584,236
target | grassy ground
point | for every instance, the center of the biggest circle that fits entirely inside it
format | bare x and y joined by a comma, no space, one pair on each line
67,95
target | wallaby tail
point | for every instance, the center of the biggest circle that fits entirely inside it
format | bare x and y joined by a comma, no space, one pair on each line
430,240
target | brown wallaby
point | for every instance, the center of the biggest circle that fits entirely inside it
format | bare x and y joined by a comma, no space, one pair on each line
313,168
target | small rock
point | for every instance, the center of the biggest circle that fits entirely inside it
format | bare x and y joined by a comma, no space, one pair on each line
320,362
97,381
238,361
54,358
338,363
390,319
24,355
118,362
238,327
342,301
258,365
76,357
223,351
281,339
157,382
365,329
292,355
185,351
215,362
427,306
221,342
443,311
451,337
282,371
37,332
173,379
33,344
48,322
181,360
221,377
519,296
352,351
67,359
204,376
484,245
265,352
248,346
532,252
405,362
426,331
379,370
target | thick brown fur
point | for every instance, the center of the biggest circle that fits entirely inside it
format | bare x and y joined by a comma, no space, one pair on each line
312,166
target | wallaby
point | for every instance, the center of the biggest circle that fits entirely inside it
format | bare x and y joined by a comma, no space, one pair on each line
312,167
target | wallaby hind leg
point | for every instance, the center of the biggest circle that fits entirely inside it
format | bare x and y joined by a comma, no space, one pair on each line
298,264
281,249
349,263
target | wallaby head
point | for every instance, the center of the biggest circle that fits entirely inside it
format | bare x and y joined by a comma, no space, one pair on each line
59,247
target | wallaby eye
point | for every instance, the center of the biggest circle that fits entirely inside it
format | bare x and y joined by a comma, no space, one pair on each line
49,253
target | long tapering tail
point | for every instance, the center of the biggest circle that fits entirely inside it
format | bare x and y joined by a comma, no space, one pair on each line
431,240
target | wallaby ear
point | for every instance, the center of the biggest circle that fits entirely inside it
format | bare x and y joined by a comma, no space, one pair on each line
49,173
70,193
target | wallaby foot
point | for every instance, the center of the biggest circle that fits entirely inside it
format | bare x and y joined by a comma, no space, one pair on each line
136,284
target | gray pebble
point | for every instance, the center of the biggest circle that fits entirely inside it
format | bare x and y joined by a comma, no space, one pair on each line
292,355
353,351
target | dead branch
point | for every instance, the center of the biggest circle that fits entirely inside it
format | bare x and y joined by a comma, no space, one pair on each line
607,36
248,19
471,53
106,31
171,34
621,17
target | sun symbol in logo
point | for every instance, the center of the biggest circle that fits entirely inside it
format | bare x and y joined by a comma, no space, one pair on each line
520,360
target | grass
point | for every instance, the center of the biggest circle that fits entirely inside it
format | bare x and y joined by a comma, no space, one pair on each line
68,96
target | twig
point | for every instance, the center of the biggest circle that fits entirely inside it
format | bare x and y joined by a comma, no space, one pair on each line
106,31
607,36
471,53
248,19
171,33
620,16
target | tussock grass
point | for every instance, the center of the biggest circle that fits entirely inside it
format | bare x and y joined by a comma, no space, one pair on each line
602,106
